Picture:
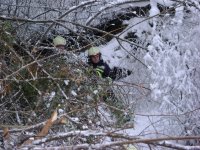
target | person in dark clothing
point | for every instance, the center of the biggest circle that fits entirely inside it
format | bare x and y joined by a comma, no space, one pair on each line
103,70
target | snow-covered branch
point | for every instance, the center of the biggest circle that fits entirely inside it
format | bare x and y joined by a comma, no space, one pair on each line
105,34
111,5
66,13
177,146
117,143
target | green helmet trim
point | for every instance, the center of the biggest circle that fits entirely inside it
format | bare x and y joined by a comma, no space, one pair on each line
59,40
93,51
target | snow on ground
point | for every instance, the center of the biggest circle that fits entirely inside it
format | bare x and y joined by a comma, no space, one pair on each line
114,55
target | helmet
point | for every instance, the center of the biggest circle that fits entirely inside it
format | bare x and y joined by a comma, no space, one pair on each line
93,51
59,40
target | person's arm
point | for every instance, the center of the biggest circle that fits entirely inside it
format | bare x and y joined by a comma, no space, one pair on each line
118,73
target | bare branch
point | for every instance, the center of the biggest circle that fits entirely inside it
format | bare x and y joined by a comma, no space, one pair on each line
111,5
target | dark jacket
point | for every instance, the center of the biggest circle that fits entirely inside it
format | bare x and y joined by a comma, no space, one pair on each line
102,66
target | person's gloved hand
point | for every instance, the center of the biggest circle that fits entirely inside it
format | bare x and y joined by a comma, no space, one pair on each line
129,72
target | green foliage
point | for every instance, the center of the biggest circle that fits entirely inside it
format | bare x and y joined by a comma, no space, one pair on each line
79,97
6,36
29,93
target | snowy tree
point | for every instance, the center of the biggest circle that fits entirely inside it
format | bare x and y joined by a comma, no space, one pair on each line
173,59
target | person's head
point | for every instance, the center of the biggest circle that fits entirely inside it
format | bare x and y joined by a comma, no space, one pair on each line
59,42
94,54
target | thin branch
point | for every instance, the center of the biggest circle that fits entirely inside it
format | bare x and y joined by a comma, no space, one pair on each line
135,84
110,144
85,133
105,33
66,13
24,6
169,115
32,127
148,18
131,54
111,5
177,146
58,22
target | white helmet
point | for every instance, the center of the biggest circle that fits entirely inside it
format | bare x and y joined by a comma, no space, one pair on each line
93,51
59,40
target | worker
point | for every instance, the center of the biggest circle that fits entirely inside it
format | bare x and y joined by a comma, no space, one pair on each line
104,71
102,68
